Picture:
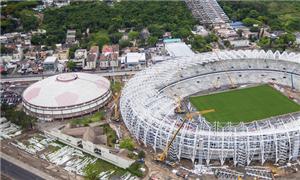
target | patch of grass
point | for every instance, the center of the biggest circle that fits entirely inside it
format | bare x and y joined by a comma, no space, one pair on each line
111,135
98,116
127,143
245,105
93,170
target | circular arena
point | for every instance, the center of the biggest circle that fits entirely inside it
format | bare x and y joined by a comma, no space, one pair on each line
147,107
66,95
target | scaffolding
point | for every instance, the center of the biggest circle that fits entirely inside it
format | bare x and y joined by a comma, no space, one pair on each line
147,106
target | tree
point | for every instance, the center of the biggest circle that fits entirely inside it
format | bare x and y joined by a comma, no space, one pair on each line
152,40
212,37
288,38
182,33
38,39
251,22
115,37
18,117
156,30
123,15
124,43
293,24
264,42
100,39
133,35
8,25
28,20
141,154
200,44
71,65
72,51
253,13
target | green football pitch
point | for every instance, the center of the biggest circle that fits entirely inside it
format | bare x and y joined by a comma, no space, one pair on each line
245,105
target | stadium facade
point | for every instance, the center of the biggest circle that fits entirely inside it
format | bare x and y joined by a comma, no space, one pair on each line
66,95
147,107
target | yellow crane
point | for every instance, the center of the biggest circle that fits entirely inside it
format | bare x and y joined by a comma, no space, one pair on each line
178,108
116,115
216,84
233,85
189,116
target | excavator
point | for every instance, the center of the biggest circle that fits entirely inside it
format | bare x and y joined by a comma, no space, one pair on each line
188,117
116,115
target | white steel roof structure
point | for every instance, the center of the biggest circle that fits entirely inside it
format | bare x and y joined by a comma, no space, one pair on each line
149,99
66,95
179,49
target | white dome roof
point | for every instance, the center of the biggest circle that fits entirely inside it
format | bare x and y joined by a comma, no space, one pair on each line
66,89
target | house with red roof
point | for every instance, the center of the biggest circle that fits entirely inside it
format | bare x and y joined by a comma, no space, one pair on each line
109,57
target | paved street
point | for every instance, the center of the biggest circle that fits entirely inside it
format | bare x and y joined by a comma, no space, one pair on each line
15,172
37,77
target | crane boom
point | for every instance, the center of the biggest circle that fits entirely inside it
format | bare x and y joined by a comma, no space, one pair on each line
162,157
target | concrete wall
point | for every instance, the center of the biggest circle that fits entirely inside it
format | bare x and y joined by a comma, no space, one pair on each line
88,147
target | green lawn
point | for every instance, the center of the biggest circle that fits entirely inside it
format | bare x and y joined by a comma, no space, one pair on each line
245,105
98,116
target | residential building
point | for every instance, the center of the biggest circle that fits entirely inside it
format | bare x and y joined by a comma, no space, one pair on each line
200,30
62,54
18,56
239,43
92,58
80,57
3,39
167,35
50,64
134,59
71,37
109,57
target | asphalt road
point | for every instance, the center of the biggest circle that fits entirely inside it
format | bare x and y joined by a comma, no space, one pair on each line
16,172
37,77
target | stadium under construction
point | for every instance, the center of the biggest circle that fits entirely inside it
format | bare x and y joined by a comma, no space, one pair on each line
149,100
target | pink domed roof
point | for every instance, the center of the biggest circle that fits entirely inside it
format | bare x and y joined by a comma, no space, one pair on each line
66,89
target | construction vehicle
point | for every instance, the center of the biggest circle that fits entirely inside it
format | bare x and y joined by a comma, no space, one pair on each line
116,115
188,117
178,108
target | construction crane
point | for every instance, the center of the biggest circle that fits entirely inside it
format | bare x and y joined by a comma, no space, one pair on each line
216,84
178,108
232,85
188,117
116,115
